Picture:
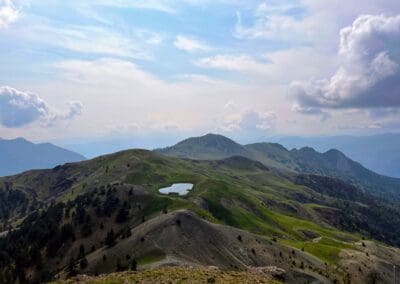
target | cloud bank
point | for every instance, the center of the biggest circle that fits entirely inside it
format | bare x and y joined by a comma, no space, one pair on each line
18,109
369,71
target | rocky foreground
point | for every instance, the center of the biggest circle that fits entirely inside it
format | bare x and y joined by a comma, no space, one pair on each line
191,275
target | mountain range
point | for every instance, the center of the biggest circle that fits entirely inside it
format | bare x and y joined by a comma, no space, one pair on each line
19,155
379,153
332,163
278,211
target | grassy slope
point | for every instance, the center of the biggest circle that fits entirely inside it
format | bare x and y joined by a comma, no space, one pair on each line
234,196
236,192
306,160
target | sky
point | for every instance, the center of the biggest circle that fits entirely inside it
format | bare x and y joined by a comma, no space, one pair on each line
80,71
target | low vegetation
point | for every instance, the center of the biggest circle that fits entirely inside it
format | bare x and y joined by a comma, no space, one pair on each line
177,275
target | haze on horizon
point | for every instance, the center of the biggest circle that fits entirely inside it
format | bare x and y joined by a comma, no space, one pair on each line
76,71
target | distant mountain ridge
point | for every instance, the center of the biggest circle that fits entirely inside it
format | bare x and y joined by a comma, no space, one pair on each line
18,155
379,153
332,163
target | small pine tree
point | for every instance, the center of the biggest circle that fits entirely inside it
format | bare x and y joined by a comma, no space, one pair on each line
122,215
119,267
110,238
134,265
81,251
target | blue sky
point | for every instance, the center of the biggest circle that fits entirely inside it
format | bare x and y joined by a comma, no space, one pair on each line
76,71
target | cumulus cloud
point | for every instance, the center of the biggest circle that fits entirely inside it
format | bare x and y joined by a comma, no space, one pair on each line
18,109
189,44
8,13
74,109
250,120
369,71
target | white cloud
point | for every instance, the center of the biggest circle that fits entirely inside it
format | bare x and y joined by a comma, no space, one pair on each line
249,120
241,63
165,6
369,72
19,108
280,67
272,21
8,13
106,72
197,78
157,5
89,13
74,109
94,40
189,44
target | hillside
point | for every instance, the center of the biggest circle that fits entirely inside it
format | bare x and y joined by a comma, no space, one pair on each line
106,215
20,155
332,163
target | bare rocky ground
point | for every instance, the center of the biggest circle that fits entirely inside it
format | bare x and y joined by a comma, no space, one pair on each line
372,263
